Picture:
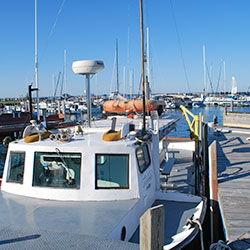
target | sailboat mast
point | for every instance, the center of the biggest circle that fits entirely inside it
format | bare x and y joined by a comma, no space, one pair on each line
143,74
204,68
117,68
64,73
36,64
224,63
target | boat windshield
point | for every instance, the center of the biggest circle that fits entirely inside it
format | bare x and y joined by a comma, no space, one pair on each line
16,169
57,170
112,171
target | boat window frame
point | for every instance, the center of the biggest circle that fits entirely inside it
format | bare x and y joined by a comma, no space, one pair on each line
56,187
9,168
145,166
128,171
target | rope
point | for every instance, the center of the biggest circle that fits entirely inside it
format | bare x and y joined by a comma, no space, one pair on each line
139,140
197,222
220,245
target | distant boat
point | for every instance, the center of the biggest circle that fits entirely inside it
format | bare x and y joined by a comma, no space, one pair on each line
234,86
169,105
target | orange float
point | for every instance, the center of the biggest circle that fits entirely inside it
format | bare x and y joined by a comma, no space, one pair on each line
132,106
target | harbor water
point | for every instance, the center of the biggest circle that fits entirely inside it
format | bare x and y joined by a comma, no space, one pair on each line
182,128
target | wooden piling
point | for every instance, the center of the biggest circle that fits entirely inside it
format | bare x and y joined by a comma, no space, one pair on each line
213,183
152,228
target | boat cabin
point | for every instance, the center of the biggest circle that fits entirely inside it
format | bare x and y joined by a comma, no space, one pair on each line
86,167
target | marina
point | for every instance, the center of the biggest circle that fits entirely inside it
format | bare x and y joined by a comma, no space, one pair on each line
148,164
232,172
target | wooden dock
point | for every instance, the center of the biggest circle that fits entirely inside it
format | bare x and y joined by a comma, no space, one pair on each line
233,168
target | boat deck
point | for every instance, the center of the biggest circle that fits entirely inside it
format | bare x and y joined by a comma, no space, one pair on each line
63,216
176,216
233,164
181,178
19,238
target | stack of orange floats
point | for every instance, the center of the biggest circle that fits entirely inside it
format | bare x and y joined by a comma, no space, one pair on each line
132,106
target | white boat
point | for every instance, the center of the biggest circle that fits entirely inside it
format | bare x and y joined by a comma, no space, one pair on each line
169,105
107,185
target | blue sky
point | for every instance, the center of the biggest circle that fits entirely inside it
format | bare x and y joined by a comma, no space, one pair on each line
89,29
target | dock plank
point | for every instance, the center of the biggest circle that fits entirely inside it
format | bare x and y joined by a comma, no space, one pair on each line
233,163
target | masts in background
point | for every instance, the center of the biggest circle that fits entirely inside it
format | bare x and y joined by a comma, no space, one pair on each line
224,63
131,83
64,73
204,69
36,64
117,68
124,80
143,75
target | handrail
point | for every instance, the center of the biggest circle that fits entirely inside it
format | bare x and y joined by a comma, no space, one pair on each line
194,125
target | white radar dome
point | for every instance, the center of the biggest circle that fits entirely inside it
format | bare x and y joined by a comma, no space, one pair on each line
84,67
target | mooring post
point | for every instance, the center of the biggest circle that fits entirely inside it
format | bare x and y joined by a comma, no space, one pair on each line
213,183
232,106
152,228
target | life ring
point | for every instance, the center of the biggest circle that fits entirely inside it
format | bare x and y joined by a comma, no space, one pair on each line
35,137
6,141
112,135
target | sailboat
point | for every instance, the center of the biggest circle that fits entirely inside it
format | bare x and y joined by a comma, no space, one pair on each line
234,86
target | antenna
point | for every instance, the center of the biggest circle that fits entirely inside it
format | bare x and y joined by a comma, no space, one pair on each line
87,68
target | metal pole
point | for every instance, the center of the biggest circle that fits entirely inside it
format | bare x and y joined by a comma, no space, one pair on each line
143,77
30,102
117,69
88,100
36,64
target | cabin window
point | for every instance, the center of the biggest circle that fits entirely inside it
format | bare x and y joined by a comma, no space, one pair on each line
57,170
112,171
16,169
143,158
